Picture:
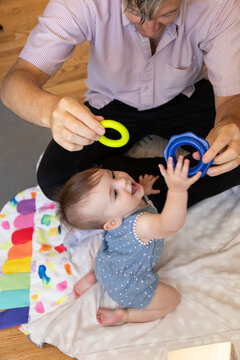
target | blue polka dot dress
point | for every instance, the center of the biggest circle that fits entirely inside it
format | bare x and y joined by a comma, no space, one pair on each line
124,265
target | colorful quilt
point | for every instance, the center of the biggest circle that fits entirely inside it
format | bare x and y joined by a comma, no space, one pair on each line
31,251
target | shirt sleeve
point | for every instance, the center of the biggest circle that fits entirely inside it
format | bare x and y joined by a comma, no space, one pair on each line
222,50
63,25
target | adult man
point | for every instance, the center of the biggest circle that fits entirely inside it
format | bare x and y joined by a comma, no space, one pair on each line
146,57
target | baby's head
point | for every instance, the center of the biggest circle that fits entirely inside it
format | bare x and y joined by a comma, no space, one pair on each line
98,199
74,198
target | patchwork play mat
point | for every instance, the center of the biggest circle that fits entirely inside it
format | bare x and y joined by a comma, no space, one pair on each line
37,274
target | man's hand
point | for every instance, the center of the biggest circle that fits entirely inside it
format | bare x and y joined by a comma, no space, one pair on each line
73,125
224,149
147,182
224,138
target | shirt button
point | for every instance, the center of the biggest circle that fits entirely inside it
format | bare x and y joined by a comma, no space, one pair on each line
146,88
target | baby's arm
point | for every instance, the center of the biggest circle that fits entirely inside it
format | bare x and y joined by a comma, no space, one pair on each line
178,182
171,219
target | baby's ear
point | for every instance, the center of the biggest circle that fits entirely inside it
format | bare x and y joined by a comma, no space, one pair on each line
112,224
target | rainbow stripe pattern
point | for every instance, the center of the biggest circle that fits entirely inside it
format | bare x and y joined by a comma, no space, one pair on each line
35,269
17,220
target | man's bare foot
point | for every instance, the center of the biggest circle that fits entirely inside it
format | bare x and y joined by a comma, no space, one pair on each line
84,284
109,317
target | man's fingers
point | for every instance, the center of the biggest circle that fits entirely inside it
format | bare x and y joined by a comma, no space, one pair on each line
68,146
71,141
82,114
73,130
81,128
74,136
74,126
231,153
221,169
217,144
196,155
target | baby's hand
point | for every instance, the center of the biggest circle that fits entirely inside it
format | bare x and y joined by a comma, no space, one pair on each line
177,179
147,182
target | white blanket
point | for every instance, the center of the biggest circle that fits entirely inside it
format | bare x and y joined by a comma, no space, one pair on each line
201,261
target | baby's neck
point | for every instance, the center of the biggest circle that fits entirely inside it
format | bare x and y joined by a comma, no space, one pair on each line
140,206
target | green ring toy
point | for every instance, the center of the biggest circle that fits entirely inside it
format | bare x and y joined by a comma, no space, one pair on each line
112,124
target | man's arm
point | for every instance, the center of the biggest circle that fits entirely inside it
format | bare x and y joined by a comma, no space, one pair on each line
224,138
72,124
22,93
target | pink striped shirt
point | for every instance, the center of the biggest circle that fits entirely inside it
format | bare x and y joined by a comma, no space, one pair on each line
121,64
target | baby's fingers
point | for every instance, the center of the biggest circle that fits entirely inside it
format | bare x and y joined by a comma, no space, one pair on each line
194,178
185,168
154,178
170,167
155,191
162,169
179,165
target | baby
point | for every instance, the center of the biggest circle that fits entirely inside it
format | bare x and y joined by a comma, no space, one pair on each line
133,238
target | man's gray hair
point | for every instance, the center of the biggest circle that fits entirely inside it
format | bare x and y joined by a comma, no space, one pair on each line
147,8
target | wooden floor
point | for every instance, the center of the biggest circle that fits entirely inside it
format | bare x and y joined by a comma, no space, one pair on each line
16,346
18,17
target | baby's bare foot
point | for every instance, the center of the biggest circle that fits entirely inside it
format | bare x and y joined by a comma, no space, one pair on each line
108,317
84,284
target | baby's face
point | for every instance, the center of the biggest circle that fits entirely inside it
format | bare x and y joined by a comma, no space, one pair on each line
116,195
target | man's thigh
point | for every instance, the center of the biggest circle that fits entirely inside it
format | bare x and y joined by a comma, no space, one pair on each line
182,114
179,115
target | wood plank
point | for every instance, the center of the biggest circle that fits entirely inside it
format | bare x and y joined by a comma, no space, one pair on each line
23,15
15,345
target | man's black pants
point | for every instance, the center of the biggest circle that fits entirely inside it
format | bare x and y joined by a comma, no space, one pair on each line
181,114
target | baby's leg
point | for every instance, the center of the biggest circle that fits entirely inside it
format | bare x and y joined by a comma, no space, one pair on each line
165,300
84,284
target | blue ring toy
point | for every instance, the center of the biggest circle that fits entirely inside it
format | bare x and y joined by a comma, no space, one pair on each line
188,138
